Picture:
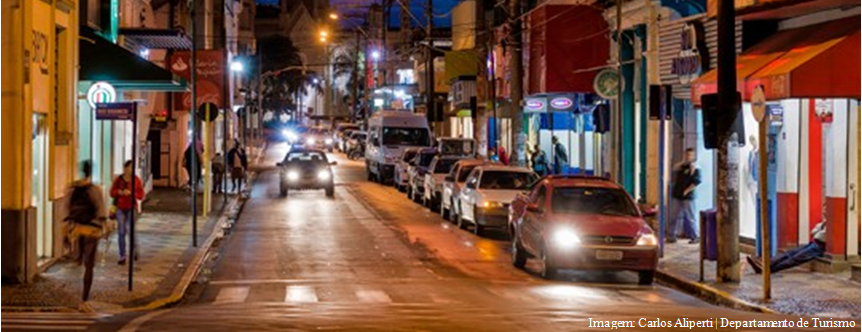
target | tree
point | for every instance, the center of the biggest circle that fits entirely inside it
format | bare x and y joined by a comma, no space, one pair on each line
348,63
278,52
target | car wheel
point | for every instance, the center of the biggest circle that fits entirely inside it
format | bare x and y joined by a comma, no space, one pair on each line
462,224
434,204
519,257
453,213
283,190
409,194
444,213
330,191
479,230
646,277
368,174
549,270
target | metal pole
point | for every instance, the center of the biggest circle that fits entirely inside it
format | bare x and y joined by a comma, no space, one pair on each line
134,198
430,109
227,108
616,117
727,267
259,123
193,145
517,86
206,159
662,187
765,235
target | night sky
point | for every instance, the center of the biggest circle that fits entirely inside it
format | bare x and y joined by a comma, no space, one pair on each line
441,8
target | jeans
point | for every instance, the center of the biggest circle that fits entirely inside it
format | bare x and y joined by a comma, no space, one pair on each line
124,227
685,218
796,257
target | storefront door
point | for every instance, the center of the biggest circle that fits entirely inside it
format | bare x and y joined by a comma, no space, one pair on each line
44,225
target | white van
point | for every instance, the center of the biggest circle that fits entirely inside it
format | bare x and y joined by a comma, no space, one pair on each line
389,133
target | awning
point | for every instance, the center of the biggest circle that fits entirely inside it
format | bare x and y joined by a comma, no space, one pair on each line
169,39
815,61
102,60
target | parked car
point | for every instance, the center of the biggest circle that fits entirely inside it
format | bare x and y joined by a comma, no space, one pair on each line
416,173
319,138
304,169
401,166
339,136
582,222
452,185
389,133
355,145
433,181
488,191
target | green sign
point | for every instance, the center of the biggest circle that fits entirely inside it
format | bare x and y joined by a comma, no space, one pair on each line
605,83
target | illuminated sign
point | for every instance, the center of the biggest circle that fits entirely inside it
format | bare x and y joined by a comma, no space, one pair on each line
561,103
100,93
535,105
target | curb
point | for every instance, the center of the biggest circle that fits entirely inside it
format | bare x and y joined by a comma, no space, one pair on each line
709,294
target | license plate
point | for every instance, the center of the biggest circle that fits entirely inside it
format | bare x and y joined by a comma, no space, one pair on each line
609,255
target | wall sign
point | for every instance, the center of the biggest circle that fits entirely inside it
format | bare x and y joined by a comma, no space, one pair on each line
101,92
561,103
115,111
535,104
605,83
693,58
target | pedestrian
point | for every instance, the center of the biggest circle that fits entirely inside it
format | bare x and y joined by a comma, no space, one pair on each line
540,162
235,162
85,224
218,173
561,157
127,204
797,256
492,155
187,164
687,177
501,153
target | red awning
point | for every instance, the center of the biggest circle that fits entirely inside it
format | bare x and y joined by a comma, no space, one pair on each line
815,61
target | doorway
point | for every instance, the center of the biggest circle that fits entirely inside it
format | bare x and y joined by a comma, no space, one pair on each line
39,199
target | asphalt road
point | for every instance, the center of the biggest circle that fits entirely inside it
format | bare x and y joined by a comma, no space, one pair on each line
370,259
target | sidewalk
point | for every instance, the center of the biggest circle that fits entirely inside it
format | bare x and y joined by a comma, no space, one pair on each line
164,238
794,292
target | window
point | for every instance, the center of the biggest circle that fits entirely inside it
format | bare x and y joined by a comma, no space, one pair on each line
507,180
588,200
306,156
406,136
374,136
465,171
424,159
444,165
408,155
473,178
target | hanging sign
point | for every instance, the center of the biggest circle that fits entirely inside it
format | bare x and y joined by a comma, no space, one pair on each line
693,58
115,111
605,83
101,92
758,104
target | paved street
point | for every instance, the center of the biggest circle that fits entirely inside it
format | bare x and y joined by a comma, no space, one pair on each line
370,259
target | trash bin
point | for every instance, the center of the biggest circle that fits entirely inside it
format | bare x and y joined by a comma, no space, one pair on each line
709,234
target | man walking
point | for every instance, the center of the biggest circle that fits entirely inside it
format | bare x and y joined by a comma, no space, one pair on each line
561,157
87,221
237,162
687,180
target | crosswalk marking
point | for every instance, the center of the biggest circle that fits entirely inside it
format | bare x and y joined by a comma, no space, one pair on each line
300,294
232,294
373,296
44,321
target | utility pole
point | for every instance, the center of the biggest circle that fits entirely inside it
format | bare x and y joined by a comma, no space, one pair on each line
516,93
617,117
726,188
193,111
430,109
354,77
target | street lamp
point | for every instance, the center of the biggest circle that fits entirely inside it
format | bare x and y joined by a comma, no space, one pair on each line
236,66
333,16
375,55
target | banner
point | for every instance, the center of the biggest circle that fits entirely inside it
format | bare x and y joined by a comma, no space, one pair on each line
210,77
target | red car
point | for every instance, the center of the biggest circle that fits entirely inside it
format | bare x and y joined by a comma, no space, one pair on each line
580,222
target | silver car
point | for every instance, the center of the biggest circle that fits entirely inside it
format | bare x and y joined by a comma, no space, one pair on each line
437,171
488,191
452,185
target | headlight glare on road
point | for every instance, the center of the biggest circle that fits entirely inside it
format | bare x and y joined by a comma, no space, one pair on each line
293,175
566,238
323,175
647,240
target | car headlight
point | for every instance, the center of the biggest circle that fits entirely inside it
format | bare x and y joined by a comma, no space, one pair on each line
565,238
328,141
491,204
323,175
647,240
293,175
311,141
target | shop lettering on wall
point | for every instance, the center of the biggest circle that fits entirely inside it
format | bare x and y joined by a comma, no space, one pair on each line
39,55
693,57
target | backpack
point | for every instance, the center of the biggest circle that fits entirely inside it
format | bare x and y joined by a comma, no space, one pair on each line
82,210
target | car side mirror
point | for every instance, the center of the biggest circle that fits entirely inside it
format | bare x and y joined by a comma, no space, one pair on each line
534,208
450,178
333,163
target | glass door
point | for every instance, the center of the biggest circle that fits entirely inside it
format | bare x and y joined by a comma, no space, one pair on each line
39,199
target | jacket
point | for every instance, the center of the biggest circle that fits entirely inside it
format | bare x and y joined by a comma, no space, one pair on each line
125,202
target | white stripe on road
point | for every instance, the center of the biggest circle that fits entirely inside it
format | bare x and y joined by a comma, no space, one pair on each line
300,294
43,327
232,294
373,296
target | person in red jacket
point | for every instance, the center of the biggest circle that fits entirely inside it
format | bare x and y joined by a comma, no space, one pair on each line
121,192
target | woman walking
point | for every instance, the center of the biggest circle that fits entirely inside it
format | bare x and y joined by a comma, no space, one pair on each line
121,192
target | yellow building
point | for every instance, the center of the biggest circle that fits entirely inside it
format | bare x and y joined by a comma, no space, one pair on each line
40,42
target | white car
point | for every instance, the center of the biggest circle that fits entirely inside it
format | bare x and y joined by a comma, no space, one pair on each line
452,185
401,166
488,191
437,171
416,173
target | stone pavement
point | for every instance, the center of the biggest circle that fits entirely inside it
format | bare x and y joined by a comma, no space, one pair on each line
164,238
796,291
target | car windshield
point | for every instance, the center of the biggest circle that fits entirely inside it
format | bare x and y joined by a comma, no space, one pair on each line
318,131
405,136
587,200
306,156
408,155
465,171
425,159
444,165
506,180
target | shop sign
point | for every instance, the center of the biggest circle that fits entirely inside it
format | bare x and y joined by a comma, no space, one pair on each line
605,83
562,103
823,110
101,92
776,114
115,111
693,58
210,76
535,104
